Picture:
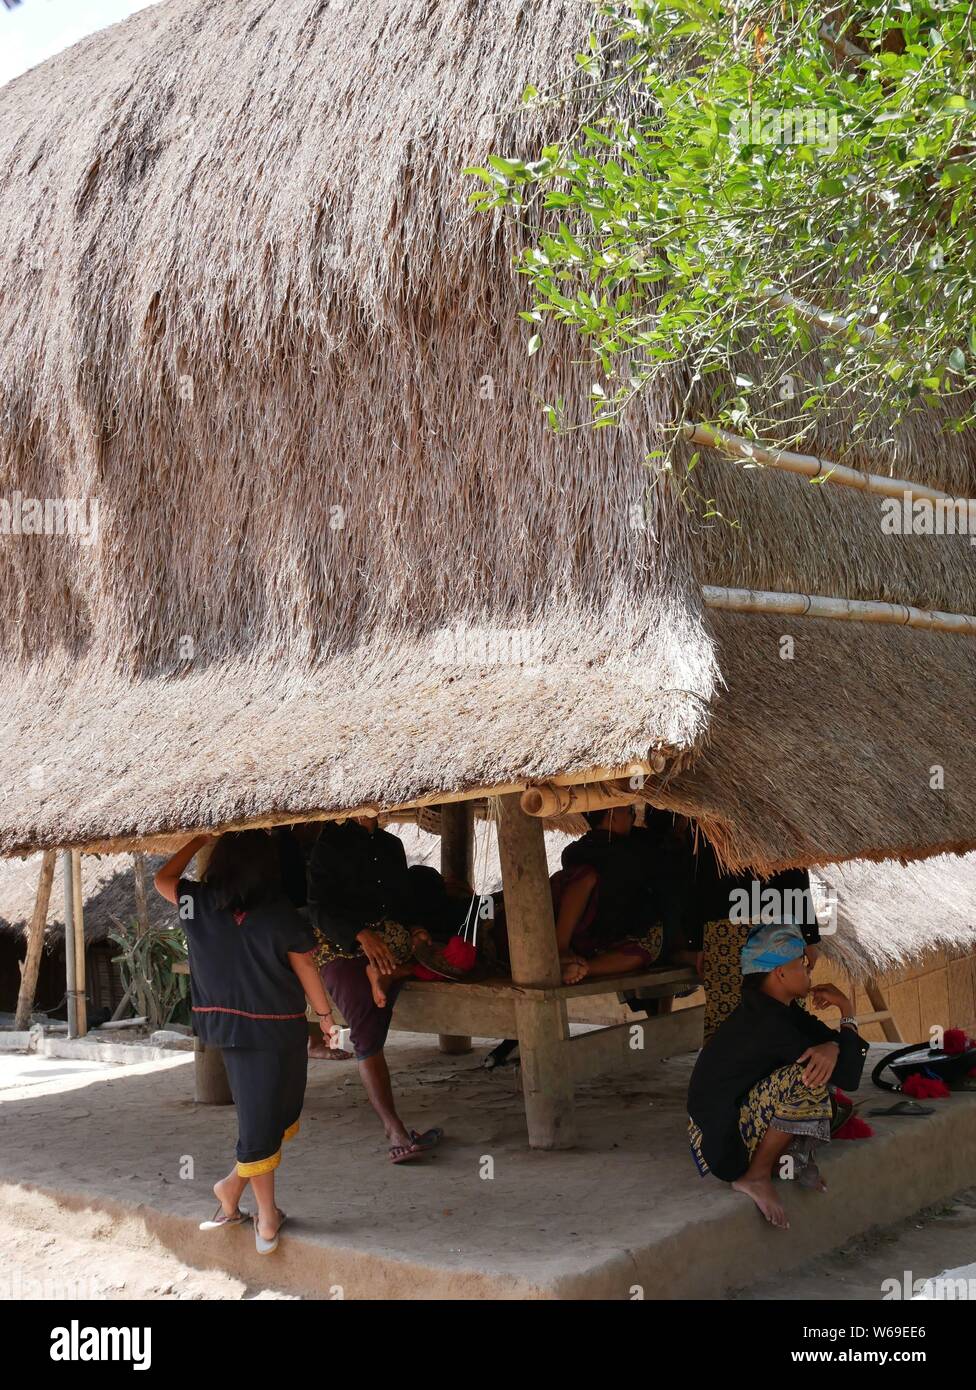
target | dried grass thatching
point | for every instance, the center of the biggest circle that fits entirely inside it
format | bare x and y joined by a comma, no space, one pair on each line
246,306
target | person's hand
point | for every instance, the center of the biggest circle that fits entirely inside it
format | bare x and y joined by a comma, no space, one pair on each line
376,951
330,1031
420,935
820,1062
830,997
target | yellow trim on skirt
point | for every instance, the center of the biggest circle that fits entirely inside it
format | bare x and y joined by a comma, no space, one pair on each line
261,1165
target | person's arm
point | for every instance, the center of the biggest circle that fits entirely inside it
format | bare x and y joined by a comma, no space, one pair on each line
167,878
311,981
852,1048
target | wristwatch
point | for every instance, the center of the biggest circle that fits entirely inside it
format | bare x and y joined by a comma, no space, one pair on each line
849,1021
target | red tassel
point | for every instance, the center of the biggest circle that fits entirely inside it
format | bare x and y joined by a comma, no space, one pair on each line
925,1087
461,954
854,1128
954,1041
841,1098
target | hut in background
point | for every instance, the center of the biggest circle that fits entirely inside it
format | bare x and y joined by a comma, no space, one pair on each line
108,887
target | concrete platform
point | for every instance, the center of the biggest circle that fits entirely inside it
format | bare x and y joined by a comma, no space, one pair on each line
128,1153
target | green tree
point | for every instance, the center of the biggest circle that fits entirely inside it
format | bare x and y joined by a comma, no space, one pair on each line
791,180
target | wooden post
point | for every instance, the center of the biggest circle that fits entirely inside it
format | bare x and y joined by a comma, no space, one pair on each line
457,863
547,1081
139,883
69,944
211,1086
81,983
35,942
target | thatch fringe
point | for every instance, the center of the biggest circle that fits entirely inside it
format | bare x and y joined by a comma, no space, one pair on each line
247,308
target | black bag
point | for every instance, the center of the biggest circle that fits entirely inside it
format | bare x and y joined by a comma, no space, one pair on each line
920,1059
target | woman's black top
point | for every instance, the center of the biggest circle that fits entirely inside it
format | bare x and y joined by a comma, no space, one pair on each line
243,990
760,1036
626,900
357,877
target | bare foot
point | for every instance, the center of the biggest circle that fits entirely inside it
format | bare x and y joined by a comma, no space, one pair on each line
574,970
268,1231
376,985
761,1192
811,1178
226,1197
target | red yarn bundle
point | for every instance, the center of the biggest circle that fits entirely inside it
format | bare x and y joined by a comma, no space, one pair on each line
925,1087
853,1128
954,1041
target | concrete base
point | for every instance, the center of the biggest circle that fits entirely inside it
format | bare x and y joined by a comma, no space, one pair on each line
623,1215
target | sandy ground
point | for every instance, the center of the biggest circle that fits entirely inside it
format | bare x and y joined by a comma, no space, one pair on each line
94,1201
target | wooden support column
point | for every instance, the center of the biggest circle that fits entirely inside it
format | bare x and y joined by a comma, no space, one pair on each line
211,1086
457,863
35,942
547,1080
81,973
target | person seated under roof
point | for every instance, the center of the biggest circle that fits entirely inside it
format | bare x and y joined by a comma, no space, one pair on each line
362,907
608,911
758,1093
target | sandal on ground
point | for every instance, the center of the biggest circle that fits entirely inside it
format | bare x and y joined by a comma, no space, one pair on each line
219,1220
904,1107
268,1247
429,1139
400,1153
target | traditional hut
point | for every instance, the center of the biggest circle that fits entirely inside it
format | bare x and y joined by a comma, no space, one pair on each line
290,534
110,904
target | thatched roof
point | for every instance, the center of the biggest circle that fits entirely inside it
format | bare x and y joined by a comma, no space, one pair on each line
246,305
108,887
891,915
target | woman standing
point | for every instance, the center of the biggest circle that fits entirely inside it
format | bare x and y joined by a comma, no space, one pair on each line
251,971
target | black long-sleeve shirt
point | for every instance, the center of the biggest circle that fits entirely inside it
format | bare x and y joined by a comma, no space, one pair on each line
759,1037
357,877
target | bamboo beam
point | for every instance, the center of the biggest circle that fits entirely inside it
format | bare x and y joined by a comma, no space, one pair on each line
171,840
810,466
548,800
35,942
843,609
69,944
821,318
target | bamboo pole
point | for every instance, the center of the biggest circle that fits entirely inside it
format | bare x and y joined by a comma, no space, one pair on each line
457,866
810,466
843,609
548,801
69,944
81,984
35,942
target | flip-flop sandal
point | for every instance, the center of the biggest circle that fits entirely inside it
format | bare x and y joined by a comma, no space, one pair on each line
268,1247
429,1139
218,1221
399,1153
905,1107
